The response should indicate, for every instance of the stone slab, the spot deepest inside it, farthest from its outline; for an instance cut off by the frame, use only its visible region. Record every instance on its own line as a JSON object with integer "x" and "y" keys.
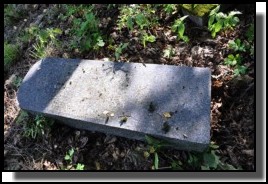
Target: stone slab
{"x": 125, "y": 99}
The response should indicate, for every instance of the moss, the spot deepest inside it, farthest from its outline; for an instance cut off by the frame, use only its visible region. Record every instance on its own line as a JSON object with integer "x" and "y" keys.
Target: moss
{"x": 199, "y": 9}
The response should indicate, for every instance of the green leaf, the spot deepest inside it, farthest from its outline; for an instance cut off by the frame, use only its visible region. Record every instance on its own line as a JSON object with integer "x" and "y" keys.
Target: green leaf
{"x": 231, "y": 57}
{"x": 71, "y": 152}
{"x": 57, "y": 30}
{"x": 210, "y": 21}
{"x": 218, "y": 26}
{"x": 214, "y": 11}
{"x": 211, "y": 160}
{"x": 80, "y": 166}
{"x": 213, "y": 34}
{"x": 130, "y": 23}
{"x": 151, "y": 38}
{"x": 124, "y": 46}
{"x": 181, "y": 29}
{"x": 240, "y": 70}
{"x": 156, "y": 160}
{"x": 67, "y": 157}
{"x": 141, "y": 20}
{"x": 174, "y": 28}
{"x": 234, "y": 21}
{"x": 100, "y": 42}
{"x": 185, "y": 39}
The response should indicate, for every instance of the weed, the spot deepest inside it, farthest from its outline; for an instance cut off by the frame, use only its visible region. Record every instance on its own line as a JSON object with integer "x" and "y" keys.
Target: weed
{"x": 240, "y": 70}
{"x": 141, "y": 20}
{"x": 140, "y": 15}
{"x": 43, "y": 38}
{"x": 208, "y": 160}
{"x": 236, "y": 61}
{"x": 69, "y": 158}
{"x": 69, "y": 155}
{"x": 155, "y": 146}
{"x": 86, "y": 33}
{"x": 147, "y": 38}
{"x": 80, "y": 166}
{"x": 119, "y": 50}
{"x": 11, "y": 14}
{"x": 39, "y": 51}
{"x": 169, "y": 52}
{"x": 34, "y": 128}
{"x": 11, "y": 54}
{"x": 218, "y": 20}
{"x": 233, "y": 60}
{"x": 170, "y": 8}
{"x": 179, "y": 27}
{"x": 237, "y": 45}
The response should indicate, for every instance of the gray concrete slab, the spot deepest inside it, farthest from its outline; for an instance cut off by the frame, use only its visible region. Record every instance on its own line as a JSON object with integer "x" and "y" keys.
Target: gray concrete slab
{"x": 125, "y": 99}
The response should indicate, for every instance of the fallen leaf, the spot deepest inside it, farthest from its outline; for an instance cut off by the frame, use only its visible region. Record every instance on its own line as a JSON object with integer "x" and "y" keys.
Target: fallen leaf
{"x": 167, "y": 114}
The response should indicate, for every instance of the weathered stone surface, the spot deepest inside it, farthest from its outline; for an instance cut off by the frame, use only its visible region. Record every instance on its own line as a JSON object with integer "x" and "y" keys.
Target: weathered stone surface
{"x": 167, "y": 102}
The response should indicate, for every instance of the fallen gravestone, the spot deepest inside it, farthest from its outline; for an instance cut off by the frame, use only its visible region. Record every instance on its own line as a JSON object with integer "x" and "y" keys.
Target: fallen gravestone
{"x": 132, "y": 100}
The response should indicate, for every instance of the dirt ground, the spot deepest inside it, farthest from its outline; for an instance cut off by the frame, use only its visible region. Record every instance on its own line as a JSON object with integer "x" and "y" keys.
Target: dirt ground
{"x": 232, "y": 100}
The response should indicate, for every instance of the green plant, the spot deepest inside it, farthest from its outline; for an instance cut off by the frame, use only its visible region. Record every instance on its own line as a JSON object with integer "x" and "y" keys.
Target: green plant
{"x": 80, "y": 166}
{"x": 168, "y": 52}
{"x": 11, "y": 54}
{"x": 236, "y": 61}
{"x": 237, "y": 45}
{"x": 147, "y": 38}
{"x": 119, "y": 50}
{"x": 43, "y": 38}
{"x": 154, "y": 146}
{"x": 179, "y": 27}
{"x": 125, "y": 18}
{"x": 170, "y": 8}
{"x": 36, "y": 128}
{"x": 233, "y": 60}
{"x": 141, "y": 15}
{"x": 208, "y": 160}
{"x": 142, "y": 21}
{"x": 69, "y": 155}
{"x": 69, "y": 158}
{"x": 39, "y": 51}
{"x": 86, "y": 33}
{"x": 218, "y": 20}
{"x": 240, "y": 69}
{"x": 12, "y": 14}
